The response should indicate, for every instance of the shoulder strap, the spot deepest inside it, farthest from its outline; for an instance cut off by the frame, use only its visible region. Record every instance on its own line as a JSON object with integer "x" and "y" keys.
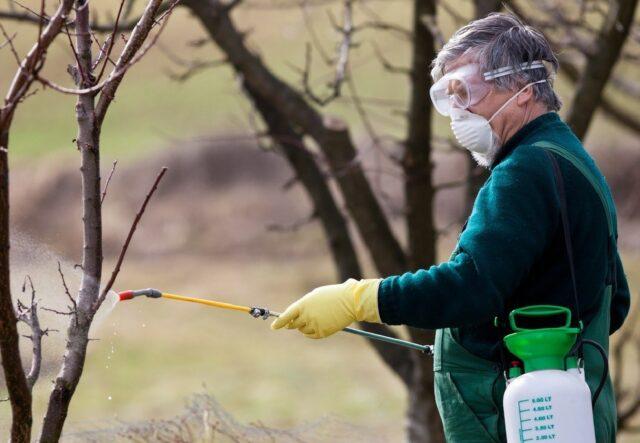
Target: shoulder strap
{"x": 598, "y": 187}
{"x": 590, "y": 176}
{"x": 564, "y": 216}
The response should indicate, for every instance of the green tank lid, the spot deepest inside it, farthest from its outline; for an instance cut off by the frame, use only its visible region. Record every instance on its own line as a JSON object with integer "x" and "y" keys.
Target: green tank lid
{"x": 543, "y": 348}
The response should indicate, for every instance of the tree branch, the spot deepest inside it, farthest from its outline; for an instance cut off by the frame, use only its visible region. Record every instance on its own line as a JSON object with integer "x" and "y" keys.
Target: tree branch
{"x": 106, "y": 185}
{"x": 331, "y": 134}
{"x": 128, "y": 56}
{"x": 29, "y": 316}
{"x": 291, "y": 143}
{"x": 596, "y": 73}
{"x": 132, "y": 230}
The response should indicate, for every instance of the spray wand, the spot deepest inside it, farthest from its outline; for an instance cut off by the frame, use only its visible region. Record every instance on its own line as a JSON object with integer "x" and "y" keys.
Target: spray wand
{"x": 265, "y": 313}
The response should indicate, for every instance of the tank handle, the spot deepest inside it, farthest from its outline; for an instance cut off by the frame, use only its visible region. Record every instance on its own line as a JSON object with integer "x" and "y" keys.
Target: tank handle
{"x": 538, "y": 311}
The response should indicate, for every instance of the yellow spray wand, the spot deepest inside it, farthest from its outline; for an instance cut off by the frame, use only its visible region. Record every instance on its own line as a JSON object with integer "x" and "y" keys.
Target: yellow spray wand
{"x": 266, "y": 313}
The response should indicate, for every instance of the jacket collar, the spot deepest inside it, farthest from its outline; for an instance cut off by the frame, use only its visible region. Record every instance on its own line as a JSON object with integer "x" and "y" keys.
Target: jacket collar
{"x": 525, "y": 134}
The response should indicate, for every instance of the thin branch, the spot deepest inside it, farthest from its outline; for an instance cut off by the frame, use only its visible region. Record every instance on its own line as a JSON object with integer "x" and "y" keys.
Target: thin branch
{"x": 132, "y": 230}
{"x": 133, "y": 51}
{"x": 83, "y": 76}
{"x": 387, "y": 65}
{"x": 315, "y": 40}
{"x": 113, "y": 79}
{"x": 190, "y": 67}
{"x": 106, "y": 186}
{"x": 342, "y": 61}
{"x": 102, "y": 53}
{"x": 9, "y": 41}
{"x": 29, "y": 316}
{"x": 111, "y": 39}
{"x": 385, "y": 26}
{"x": 292, "y": 227}
{"x": 74, "y": 307}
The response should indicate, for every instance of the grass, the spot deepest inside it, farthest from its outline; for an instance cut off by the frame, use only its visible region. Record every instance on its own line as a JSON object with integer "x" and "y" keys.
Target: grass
{"x": 152, "y": 354}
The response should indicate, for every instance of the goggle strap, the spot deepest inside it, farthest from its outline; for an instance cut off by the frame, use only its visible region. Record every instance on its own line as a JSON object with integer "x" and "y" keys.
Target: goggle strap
{"x": 507, "y": 70}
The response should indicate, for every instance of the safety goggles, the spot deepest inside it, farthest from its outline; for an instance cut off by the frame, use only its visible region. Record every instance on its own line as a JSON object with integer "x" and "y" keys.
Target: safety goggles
{"x": 465, "y": 86}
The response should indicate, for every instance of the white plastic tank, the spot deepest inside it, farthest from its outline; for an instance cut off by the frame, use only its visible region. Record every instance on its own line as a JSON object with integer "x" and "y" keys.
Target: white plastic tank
{"x": 548, "y": 405}
{"x": 551, "y": 401}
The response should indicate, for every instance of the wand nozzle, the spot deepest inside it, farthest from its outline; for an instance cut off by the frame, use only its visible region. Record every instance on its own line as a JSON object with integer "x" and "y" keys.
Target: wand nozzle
{"x": 149, "y": 292}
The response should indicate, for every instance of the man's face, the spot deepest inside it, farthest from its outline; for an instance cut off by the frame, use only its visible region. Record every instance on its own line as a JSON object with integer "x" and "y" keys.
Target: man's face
{"x": 491, "y": 101}
{"x": 509, "y": 118}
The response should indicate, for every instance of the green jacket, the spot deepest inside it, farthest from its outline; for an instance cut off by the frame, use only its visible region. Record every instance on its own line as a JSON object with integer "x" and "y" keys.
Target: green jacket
{"x": 511, "y": 251}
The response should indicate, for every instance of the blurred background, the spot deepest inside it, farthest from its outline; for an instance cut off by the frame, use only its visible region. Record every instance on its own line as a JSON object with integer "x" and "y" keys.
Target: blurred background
{"x": 231, "y": 222}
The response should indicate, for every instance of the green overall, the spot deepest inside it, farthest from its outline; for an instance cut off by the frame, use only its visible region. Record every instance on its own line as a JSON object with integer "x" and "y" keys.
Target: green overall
{"x": 469, "y": 389}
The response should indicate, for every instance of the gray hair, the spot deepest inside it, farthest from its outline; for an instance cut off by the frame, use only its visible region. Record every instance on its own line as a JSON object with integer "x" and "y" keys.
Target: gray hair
{"x": 500, "y": 40}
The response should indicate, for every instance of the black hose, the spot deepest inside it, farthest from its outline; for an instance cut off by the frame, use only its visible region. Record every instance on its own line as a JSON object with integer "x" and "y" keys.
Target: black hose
{"x": 605, "y": 371}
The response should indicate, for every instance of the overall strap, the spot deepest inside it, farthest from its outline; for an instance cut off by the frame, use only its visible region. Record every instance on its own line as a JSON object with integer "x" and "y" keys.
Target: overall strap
{"x": 557, "y": 174}
{"x": 600, "y": 190}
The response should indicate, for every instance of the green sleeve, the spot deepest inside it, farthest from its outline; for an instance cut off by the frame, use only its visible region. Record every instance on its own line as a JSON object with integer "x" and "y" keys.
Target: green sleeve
{"x": 510, "y": 226}
{"x": 621, "y": 299}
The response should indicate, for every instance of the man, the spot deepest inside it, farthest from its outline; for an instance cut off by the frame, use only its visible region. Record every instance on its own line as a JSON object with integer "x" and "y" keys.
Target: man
{"x": 494, "y": 79}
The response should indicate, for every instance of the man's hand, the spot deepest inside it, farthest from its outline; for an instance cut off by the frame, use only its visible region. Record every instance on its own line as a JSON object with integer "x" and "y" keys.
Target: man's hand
{"x": 329, "y": 309}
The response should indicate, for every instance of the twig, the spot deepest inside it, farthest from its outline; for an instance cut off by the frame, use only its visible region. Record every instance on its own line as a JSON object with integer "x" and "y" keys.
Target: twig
{"x": 292, "y": 227}
{"x": 387, "y": 65}
{"x": 132, "y": 230}
{"x": 83, "y": 76}
{"x": 342, "y": 61}
{"x": 191, "y": 67}
{"x": 102, "y": 53}
{"x": 106, "y": 185}
{"x": 74, "y": 306}
{"x": 133, "y": 51}
{"x": 314, "y": 36}
{"x": 9, "y": 41}
{"x": 111, "y": 39}
{"x": 29, "y": 316}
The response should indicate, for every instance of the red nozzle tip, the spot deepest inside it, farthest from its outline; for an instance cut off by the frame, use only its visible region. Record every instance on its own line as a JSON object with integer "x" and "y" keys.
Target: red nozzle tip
{"x": 126, "y": 295}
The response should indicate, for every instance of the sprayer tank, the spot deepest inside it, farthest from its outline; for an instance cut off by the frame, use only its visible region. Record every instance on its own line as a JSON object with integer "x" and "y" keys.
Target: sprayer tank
{"x": 549, "y": 405}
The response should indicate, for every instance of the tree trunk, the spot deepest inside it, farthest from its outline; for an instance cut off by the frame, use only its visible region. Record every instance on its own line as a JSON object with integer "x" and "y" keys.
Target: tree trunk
{"x": 597, "y": 71}
{"x": 331, "y": 134}
{"x": 15, "y": 379}
{"x": 333, "y": 222}
{"x": 423, "y": 420}
{"x": 17, "y": 386}
{"x": 79, "y": 324}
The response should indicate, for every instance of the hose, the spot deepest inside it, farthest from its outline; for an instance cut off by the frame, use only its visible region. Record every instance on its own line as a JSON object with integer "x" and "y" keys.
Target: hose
{"x": 605, "y": 371}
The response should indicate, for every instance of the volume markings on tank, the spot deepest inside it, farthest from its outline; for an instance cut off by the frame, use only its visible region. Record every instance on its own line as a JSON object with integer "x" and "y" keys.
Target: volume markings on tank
{"x": 536, "y": 419}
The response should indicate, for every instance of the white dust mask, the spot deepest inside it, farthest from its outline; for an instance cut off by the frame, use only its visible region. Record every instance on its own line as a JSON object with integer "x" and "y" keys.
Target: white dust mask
{"x": 474, "y": 132}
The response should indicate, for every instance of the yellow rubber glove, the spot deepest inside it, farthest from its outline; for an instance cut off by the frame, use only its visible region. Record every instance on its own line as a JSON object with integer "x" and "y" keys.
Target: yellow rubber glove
{"x": 329, "y": 309}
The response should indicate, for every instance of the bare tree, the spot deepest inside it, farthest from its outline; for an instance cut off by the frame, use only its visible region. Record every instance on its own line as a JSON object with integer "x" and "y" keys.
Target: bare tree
{"x": 17, "y": 385}
{"x": 94, "y": 98}
{"x": 293, "y": 115}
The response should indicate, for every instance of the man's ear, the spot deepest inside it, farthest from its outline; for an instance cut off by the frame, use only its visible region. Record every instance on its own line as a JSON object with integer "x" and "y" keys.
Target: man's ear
{"x": 525, "y": 96}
